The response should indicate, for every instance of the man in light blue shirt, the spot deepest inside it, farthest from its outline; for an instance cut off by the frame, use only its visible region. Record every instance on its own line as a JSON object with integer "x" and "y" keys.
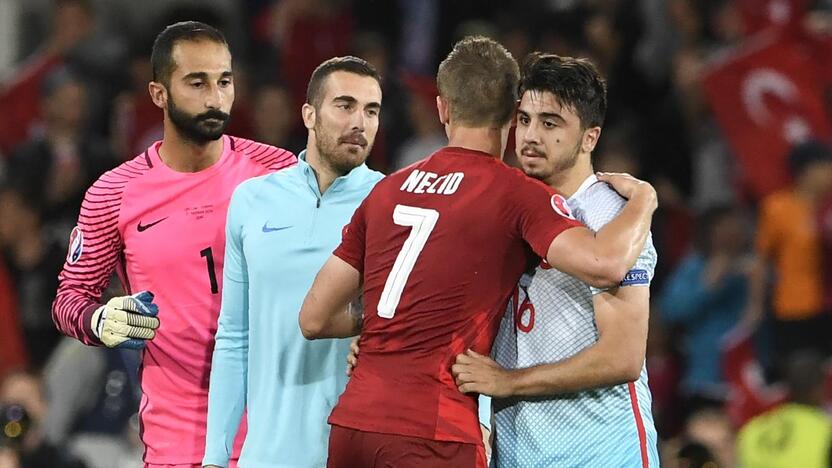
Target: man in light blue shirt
{"x": 281, "y": 229}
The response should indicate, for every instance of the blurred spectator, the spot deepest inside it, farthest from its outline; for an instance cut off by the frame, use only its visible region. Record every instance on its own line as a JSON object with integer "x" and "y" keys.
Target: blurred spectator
{"x": 712, "y": 428}
{"x": 32, "y": 260}
{"x": 665, "y": 374}
{"x": 93, "y": 394}
{"x": 72, "y": 23}
{"x": 672, "y": 222}
{"x": 428, "y": 133}
{"x": 395, "y": 125}
{"x": 419, "y": 35}
{"x": 273, "y": 112}
{"x": 788, "y": 239}
{"x": 136, "y": 121}
{"x": 824, "y": 222}
{"x": 22, "y": 409}
{"x": 796, "y": 434}
{"x": 307, "y": 32}
{"x": 53, "y": 168}
{"x": 9, "y": 36}
{"x": 13, "y": 354}
{"x": 706, "y": 296}
{"x": 694, "y": 455}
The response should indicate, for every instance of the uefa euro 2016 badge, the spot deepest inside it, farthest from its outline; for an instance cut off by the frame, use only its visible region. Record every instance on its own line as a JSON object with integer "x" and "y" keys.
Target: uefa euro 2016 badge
{"x": 560, "y": 206}
{"x": 76, "y": 245}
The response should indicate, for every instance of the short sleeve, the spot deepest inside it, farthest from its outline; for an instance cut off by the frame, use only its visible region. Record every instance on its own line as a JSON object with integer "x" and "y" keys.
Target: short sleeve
{"x": 351, "y": 249}
{"x": 599, "y": 205}
{"x": 540, "y": 214}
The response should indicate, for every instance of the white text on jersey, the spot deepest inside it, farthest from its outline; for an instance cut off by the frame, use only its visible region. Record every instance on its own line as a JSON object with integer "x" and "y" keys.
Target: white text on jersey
{"x": 428, "y": 182}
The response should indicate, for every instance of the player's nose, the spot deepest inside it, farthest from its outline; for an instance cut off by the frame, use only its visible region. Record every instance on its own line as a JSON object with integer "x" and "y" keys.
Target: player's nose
{"x": 358, "y": 121}
{"x": 531, "y": 135}
{"x": 214, "y": 98}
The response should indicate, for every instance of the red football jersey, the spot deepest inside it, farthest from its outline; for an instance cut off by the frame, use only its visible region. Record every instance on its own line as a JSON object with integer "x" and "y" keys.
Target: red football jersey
{"x": 440, "y": 245}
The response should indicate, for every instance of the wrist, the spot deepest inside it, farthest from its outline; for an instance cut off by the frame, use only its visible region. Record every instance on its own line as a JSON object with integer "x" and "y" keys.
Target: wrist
{"x": 646, "y": 193}
{"x": 516, "y": 381}
{"x": 87, "y": 317}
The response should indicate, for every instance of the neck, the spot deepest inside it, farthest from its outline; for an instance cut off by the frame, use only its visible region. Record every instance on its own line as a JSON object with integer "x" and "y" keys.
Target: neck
{"x": 487, "y": 140}
{"x": 324, "y": 173}
{"x": 183, "y": 155}
{"x": 568, "y": 181}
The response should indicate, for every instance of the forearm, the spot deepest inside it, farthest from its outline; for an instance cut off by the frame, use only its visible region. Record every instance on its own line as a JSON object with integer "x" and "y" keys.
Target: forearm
{"x": 72, "y": 311}
{"x": 229, "y": 375}
{"x": 329, "y": 309}
{"x": 594, "y": 367}
{"x": 226, "y": 403}
{"x": 344, "y": 324}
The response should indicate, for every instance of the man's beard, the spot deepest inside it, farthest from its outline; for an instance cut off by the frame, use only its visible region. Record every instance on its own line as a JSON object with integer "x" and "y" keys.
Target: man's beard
{"x": 569, "y": 163}
{"x": 558, "y": 167}
{"x": 194, "y": 127}
{"x": 340, "y": 159}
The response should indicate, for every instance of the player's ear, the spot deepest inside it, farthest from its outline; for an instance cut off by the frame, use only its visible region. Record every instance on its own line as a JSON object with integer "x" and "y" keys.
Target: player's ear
{"x": 158, "y": 94}
{"x": 590, "y": 139}
{"x": 309, "y": 114}
{"x": 442, "y": 108}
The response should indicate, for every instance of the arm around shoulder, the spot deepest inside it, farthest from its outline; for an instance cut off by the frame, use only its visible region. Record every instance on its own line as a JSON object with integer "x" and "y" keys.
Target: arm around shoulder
{"x": 604, "y": 258}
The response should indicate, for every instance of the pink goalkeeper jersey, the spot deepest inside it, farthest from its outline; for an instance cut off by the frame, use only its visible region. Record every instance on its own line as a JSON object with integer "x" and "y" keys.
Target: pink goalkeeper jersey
{"x": 162, "y": 231}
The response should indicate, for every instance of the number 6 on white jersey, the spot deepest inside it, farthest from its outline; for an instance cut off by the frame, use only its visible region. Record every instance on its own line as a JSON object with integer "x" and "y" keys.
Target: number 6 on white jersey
{"x": 422, "y": 221}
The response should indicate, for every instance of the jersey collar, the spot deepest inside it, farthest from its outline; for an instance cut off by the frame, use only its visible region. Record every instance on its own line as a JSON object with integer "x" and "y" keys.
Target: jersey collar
{"x": 337, "y": 184}
{"x": 584, "y": 185}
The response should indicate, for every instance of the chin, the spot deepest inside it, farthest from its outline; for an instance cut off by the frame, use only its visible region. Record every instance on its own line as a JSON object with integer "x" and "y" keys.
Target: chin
{"x": 535, "y": 173}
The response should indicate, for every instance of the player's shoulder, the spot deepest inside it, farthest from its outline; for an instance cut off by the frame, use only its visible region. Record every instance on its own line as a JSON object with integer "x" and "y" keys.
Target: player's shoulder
{"x": 255, "y": 149}
{"x": 252, "y": 187}
{"x": 116, "y": 179}
{"x": 261, "y": 153}
{"x": 362, "y": 177}
{"x": 371, "y": 175}
{"x": 602, "y": 193}
{"x": 510, "y": 179}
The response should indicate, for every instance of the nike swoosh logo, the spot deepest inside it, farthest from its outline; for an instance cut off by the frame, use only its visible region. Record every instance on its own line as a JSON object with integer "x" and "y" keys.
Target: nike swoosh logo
{"x": 143, "y": 227}
{"x": 266, "y": 227}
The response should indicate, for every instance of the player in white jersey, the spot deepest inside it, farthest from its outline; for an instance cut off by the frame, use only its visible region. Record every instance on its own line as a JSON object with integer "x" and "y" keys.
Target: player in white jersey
{"x": 568, "y": 375}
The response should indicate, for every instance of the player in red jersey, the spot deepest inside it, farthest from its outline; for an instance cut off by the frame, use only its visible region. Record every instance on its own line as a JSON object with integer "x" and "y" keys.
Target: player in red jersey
{"x": 438, "y": 248}
{"x": 158, "y": 220}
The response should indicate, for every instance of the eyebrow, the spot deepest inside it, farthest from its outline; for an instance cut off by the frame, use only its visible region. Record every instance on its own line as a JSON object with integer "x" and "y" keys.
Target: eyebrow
{"x": 352, "y": 100}
{"x": 545, "y": 115}
{"x": 204, "y": 75}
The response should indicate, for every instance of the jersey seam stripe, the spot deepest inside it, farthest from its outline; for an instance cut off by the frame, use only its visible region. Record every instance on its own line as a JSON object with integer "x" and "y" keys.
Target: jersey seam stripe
{"x": 642, "y": 435}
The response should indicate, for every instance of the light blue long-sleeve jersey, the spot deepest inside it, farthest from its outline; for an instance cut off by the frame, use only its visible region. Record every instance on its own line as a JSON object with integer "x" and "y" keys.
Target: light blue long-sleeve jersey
{"x": 280, "y": 231}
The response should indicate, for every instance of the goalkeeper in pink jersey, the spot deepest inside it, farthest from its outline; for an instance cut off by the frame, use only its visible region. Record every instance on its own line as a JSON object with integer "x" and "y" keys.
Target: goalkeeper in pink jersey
{"x": 158, "y": 221}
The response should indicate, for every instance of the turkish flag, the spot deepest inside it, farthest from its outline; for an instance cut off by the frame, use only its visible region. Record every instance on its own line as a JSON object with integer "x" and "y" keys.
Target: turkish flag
{"x": 749, "y": 394}
{"x": 767, "y": 97}
{"x": 760, "y": 15}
